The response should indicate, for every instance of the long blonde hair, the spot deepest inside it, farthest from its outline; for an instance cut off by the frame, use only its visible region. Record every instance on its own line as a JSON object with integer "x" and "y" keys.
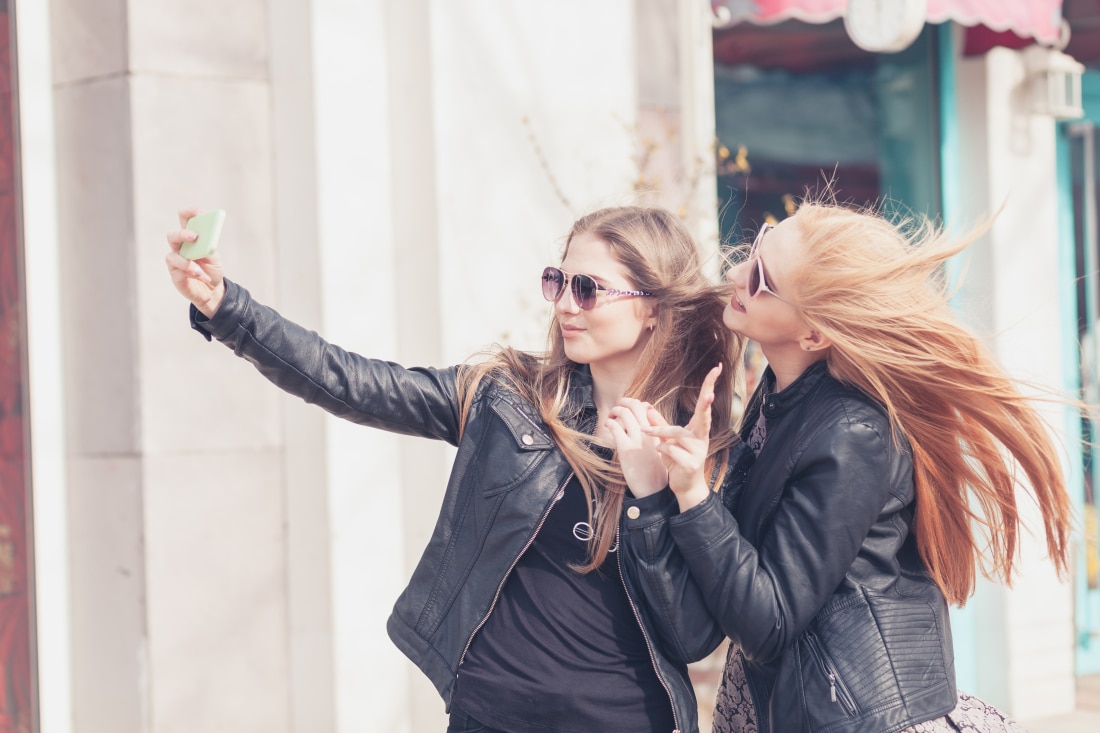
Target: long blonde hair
{"x": 875, "y": 289}
{"x": 688, "y": 339}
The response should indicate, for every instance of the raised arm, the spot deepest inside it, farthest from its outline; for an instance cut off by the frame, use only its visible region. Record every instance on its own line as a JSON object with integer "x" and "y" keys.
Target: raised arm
{"x": 653, "y": 565}
{"x": 372, "y": 392}
{"x": 765, "y": 595}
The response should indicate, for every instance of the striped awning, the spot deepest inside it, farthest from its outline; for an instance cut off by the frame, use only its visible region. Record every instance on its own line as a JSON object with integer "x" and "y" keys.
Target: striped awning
{"x": 1029, "y": 19}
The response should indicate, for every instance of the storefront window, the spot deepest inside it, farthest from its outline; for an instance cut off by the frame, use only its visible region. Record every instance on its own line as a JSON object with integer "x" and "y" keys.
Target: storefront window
{"x": 1083, "y": 17}
{"x": 799, "y": 105}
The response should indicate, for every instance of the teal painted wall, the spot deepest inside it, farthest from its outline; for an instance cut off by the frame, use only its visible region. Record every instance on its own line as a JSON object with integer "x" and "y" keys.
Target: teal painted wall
{"x": 1087, "y": 647}
{"x": 963, "y": 620}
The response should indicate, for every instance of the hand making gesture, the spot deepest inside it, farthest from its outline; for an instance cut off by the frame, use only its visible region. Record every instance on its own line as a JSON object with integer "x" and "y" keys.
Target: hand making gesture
{"x": 653, "y": 453}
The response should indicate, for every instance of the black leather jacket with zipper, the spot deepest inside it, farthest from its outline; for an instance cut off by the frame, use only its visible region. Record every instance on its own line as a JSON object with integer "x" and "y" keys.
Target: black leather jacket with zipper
{"x": 808, "y": 562}
{"x": 506, "y": 476}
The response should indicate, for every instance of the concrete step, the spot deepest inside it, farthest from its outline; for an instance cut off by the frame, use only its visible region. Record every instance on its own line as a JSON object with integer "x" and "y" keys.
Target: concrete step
{"x": 1086, "y": 719}
{"x": 1088, "y": 693}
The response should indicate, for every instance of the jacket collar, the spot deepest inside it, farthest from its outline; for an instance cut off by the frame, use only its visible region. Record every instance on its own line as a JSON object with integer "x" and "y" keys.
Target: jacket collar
{"x": 582, "y": 402}
{"x": 780, "y": 403}
{"x": 580, "y": 388}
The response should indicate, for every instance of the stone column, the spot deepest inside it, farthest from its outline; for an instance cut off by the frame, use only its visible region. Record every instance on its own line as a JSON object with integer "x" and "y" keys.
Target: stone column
{"x": 176, "y": 476}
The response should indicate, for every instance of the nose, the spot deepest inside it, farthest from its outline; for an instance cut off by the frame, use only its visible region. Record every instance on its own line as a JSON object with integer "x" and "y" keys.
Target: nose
{"x": 565, "y": 302}
{"x": 736, "y": 274}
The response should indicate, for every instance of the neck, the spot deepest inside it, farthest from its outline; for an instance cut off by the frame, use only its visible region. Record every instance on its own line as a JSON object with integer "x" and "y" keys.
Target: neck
{"x": 789, "y": 362}
{"x": 607, "y": 389}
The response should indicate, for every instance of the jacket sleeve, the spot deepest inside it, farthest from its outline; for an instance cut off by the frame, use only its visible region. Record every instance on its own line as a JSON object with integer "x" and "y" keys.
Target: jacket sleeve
{"x": 660, "y": 582}
{"x": 380, "y": 394}
{"x": 764, "y": 597}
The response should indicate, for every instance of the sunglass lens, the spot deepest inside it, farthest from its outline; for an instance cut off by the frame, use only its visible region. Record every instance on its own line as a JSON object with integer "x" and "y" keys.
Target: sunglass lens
{"x": 756, "y": 269}
{"x": 584, "y": 291}
{"x": 754, "y": 276}
{"x": 553, "y": 280}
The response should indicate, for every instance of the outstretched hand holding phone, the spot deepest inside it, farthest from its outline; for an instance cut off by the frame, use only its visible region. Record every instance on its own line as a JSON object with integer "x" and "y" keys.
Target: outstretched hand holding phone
{"x": 199, "y": 280}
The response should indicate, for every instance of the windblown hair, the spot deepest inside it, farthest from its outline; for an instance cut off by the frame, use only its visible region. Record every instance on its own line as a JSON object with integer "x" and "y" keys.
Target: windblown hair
{"x": 688, "y": 340}
{"x": 876, "y": 290}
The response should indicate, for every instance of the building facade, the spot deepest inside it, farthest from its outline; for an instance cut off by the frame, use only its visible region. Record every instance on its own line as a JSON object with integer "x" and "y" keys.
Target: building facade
{"x": 201, "y": 552}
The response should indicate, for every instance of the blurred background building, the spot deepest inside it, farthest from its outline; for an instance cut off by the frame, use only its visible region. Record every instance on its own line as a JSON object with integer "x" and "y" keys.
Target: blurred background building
{"x": 183, "y": 548}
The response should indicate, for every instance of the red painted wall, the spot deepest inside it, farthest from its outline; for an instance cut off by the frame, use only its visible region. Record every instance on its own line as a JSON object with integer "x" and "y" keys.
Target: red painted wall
{"x": 15, "y": 599}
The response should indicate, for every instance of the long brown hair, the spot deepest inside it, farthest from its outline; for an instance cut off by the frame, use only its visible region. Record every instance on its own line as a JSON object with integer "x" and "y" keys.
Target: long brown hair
{"x": 688, "y": 340}
{"x": 875, "y": 289}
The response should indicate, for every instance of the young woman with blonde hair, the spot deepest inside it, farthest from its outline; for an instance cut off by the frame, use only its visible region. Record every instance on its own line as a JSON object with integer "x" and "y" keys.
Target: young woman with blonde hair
{"x": 521, "y": 610}
{"x": 882, "y": 467}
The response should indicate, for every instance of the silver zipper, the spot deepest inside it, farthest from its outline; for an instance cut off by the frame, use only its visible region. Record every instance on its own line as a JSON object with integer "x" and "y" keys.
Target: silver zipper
{"x": 496, "y": 596}
{"x": 645, "y": 635}
{"x": 633, "y": 608}
{"x": 530, "y": 540}
{"x": 838, "y": 693}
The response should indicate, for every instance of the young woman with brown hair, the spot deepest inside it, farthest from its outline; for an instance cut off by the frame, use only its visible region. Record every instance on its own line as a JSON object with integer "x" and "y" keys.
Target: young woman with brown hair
{"x": 521, "y": 611}
{"x": 883, "y": 458}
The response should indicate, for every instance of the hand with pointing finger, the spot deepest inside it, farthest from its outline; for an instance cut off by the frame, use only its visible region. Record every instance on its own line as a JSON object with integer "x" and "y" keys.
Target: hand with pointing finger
{"x": 684, "y": 449}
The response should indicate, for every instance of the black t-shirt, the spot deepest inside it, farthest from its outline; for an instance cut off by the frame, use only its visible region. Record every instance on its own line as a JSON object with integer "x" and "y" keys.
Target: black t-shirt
{"x": 563, "y": 651}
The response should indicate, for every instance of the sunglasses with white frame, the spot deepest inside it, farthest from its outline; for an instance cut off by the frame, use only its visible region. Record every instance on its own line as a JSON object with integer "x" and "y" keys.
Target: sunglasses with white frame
{"x": 758, "y": 282}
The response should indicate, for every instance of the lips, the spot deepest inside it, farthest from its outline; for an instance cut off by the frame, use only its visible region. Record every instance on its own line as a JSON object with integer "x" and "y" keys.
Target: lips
{"x": 570, "y": 331}
{"x": 736, "y": 304}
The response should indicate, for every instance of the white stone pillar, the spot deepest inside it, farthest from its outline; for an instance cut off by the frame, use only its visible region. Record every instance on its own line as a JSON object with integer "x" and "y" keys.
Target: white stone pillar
{"x": 311, "y": 644}
{"x": 675, "y": 134}
{"x": 48, "y": 459}
{"x": 177, "y": 508}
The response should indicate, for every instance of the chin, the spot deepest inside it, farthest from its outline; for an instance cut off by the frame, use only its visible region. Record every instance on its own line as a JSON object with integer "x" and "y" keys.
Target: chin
{"x": 729, "y": 318}
{"x": 572, "y": 355}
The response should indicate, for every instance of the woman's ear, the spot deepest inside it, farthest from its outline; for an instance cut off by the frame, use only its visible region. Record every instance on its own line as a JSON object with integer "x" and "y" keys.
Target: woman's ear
{"x": 814, "y": 341}
{"x": 651, "y": 320}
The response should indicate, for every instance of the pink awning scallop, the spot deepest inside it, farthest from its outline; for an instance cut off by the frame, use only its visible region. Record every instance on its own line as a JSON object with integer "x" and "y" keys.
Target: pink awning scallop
{"x": 1035, "y": 19}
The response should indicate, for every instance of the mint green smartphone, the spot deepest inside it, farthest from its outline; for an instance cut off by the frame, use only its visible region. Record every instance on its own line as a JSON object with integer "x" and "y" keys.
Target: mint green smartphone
{"x": 208, "y": 225}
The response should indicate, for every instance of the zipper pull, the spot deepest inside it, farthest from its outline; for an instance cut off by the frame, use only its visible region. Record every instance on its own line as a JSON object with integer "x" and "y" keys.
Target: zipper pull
{"x": 832, "y": 687}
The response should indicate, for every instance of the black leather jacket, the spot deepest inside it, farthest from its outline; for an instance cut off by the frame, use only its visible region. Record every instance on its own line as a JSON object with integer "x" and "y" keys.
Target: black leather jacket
{"x": 507, "y": 474}
{"x": 807, "y": 561}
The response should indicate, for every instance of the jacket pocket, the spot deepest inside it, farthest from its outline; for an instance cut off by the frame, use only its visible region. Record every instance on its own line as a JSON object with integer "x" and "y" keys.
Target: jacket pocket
{"x": 838, "y": 692}
{"x": 916, "y": 623}
{"x": 840, "y": 669}
{"x": 511, "y": 445}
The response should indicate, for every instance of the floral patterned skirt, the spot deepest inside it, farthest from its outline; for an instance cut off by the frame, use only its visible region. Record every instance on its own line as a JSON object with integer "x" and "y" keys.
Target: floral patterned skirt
{"x": 735, "y": 713}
